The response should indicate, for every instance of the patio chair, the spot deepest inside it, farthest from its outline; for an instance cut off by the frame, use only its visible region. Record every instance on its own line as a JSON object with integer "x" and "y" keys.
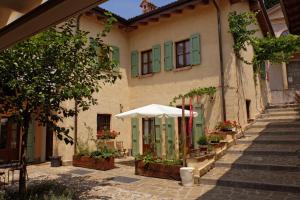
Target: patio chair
{"x": 110, "y": 145}
{"x": 14, "y": 166}
{"x": 120, "y": 148}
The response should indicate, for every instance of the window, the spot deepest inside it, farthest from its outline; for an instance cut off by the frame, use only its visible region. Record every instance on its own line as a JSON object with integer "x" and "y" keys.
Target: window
{"x": 183, "y": 54}
{"x": 103, "y": 122}
{"x": 147, "y": 62}
{"x": 293, "y": 73}
{"x": 148, "y": 134}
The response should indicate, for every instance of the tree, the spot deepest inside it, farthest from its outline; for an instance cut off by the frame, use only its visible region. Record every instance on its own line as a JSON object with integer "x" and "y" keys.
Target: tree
{"x": 41, "y": 73}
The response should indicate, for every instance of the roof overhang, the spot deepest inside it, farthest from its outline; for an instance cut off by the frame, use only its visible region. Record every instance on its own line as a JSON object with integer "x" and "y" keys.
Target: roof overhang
{"x": 46, "y": 15}
{"x": 291, "y": 11}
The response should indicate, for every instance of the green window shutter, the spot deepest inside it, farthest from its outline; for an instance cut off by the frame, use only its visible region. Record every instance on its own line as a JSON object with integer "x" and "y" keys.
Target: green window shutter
{"x": 156, "y": 58}
{"x": 116, "y": 55}
{"x": 170, "y": 130}
{"x": 195, "y": 49}
{"x": 134, "y": 63}
{"x": 198, "y": 124}
{"x": 168, "y": 56}
{"x": 158, "y": 140}
{"x": 30, "y": 142}
{"x": 135, "y": 136}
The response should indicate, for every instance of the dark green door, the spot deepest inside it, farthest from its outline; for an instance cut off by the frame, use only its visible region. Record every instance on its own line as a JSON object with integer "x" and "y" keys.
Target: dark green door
{"x": 198, "y": 124}
{"x": 135, "y": 136}
{"x": 158, "y": 137}
{"x": 170, "y": 138}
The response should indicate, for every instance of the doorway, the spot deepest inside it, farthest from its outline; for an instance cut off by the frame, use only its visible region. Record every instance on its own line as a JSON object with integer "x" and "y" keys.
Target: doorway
{"x": 49, "y": 143}
{"x": 9, "y": 139}
{"x": 189, "y": 136}
{"x": 248, "y": 104}
{"x": 148, "y": 125}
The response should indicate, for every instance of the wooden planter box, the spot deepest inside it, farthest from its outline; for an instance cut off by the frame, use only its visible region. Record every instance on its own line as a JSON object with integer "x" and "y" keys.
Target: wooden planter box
{"x": 227, "y": 135}
{"x": 94, "y": 163}
{"x": 158, "y": 170}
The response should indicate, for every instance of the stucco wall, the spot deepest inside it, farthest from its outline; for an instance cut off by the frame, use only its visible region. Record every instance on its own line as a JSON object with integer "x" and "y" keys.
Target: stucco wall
{"x": 112, "y": 99}
{"x": 161, "y": 87}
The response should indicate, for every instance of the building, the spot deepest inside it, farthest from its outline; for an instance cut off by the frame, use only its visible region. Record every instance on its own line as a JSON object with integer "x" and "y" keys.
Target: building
{"x": 165, "y": 52}
{"x": 285, "y": 77}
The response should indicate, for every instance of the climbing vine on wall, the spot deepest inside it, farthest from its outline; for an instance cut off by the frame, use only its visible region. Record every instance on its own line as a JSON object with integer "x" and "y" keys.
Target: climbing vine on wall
{"x": 275, "y": 50}
{"x": 210, "y": 91}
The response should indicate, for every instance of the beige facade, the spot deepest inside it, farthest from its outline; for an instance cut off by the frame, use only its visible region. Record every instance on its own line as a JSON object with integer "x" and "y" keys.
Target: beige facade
{"x": 160, "y": 88}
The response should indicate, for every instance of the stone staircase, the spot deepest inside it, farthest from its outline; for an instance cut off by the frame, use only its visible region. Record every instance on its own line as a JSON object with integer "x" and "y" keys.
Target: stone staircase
{"x": 267, "y": 158}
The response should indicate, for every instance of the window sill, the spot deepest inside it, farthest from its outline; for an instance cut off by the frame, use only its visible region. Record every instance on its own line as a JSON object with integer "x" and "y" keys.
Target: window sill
{"x": 145, "y": 75}
{"x": 182, "y": 69}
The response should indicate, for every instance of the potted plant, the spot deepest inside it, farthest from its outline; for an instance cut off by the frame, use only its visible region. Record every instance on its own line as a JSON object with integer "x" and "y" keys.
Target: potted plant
{"x": 107, "y": 134}
{"x": 215, "y": 139}
{"x": 203, "y": 143}
{"x": 228, "y": 126}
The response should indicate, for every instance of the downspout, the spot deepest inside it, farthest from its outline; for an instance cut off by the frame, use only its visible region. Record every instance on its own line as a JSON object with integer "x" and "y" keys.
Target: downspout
{"x": 76, "y": 104}
{"x": 221, "y": 59}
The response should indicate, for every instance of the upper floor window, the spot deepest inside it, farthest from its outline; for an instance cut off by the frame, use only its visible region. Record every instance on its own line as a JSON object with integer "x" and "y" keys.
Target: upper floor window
{"x": 103, "y": 122}
{"x": 183, "y": 54}
{"x": 147, "y": 62}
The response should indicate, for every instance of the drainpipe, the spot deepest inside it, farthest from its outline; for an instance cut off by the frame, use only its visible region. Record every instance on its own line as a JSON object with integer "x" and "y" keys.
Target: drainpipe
{"x": 221, "y": 58}
{"x": 76, "y": 104}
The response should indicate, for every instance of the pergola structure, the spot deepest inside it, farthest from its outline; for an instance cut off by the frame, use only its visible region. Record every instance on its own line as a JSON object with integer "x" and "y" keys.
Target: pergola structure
{"x": 291, "y": 11}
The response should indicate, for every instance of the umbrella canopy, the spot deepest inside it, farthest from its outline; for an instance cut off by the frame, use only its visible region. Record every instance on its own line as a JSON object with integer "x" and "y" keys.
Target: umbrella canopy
{"x": 155, "y": 110}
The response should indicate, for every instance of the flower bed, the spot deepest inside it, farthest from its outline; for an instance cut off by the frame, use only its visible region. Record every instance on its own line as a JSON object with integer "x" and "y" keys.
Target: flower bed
{"x": 94, "y": 163}
{"x": 158, "y": 170}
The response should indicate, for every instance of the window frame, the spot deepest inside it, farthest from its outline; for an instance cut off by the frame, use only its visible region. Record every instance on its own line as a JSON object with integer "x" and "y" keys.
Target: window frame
{"x": 149, "y": 62}
{"x": 106, "y": 123}
{"x": 184, "y": 54}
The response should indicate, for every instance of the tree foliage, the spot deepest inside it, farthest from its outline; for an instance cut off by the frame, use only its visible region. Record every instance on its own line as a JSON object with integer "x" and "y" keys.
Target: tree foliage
{"x": 56, "y": 66}
{"x": 40, "y": 75}
{"x": 275, "y": 50}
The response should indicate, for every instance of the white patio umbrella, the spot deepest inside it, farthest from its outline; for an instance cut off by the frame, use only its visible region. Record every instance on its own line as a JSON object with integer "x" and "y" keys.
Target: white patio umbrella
{"x": 155, "y": 110}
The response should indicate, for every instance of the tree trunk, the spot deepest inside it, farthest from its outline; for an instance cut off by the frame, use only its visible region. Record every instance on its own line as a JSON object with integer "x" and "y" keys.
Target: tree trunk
{"x": 183, "y": 132}
{"x": 23, "y": 160}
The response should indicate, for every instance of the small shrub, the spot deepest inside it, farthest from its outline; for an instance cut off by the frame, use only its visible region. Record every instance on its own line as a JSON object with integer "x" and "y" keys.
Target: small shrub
{"x": 215, "y": 139}
{"x": 202, "y": 140}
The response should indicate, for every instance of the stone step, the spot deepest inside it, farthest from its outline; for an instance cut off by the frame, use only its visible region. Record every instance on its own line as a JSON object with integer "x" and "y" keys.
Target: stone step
{"x": 255, "y": 179}
{"x": 283, "y": 113}
{"x": 234, "y": 193}
{"x": 278, "y": 119}
{"x": 262, "y": 162}
{"x": 265, "y": 149}
{"x": 285, "y": 124}
{"x": 273, "y": 131}
{"x": 275, "y": 110}
{"x": 270, "y": 139}
{"x": 238, "y": 165}
{"x": 276, "y": 106}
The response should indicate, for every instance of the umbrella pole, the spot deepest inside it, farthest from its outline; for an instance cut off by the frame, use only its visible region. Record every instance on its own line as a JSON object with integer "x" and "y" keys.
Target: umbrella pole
{"x": 183, "y": 132}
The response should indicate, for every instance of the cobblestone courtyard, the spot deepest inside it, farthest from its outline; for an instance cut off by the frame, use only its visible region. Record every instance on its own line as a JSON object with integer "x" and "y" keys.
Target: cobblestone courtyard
{"x": 116, "y": 184}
